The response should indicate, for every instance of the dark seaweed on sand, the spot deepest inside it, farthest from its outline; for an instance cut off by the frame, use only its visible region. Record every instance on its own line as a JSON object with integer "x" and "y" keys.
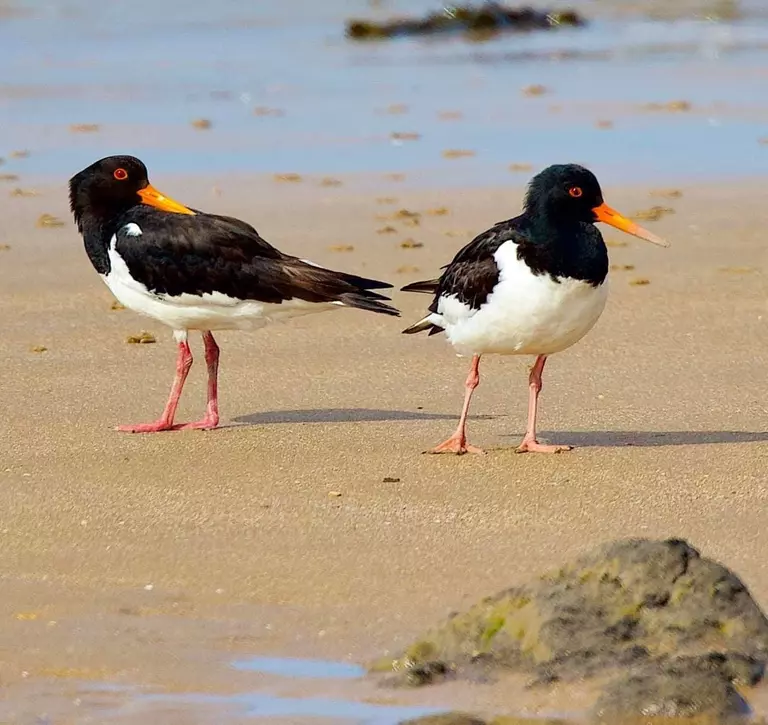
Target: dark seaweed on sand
{"x": 487, "y": 18}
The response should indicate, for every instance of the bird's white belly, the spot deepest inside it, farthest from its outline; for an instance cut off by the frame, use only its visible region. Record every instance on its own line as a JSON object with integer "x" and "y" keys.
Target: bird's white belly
{"x": 526, "y": 314}
{"x": 214, "y": 311}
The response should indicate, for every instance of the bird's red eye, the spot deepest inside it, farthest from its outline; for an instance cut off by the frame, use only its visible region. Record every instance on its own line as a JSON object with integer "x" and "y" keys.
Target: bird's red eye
{"x": 120, "y": 174}
{"x": 575, "y": 192}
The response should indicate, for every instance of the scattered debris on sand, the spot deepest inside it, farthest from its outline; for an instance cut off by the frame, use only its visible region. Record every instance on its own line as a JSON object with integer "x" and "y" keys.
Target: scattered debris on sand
{"x": 666, "y": 193}
{"x": 84, "y": 128}
{"x": 457, "y": 153}
{"x": 143, "y": 338}
{"x": 653, "y": 214}
{"x": 288, "y": 178}
{"x": 48, "y": 220}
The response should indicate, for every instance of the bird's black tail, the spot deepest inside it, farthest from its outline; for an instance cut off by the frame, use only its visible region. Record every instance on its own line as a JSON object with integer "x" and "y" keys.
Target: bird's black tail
{"x": 428, "y": 286}
{"x": 363, "y": 298}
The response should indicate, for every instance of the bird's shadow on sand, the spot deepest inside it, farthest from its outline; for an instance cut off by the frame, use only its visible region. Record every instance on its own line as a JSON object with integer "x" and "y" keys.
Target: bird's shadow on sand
{"x": 649, "y": 439}
{"x": 343, "y": 415}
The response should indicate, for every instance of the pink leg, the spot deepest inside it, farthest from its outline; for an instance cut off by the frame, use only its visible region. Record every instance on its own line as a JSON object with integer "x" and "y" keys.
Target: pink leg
{"x": 183, "y": 365}
{"x": 211, "y": 419}
{"x": 457, "y": 443}
{"x": 529, "y": 443}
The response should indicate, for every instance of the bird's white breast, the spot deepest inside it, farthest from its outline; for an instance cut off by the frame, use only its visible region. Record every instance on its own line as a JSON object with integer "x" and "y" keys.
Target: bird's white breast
{"x": 207, "y": 311}
{"x": 526, "y": 314}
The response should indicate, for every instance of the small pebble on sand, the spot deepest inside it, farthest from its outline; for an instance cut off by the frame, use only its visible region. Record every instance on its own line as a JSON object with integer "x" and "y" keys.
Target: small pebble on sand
{"x": 405, "y": 136}
{"x": 622, "y": 267}
{"x": 406, "y": 269}
{"x": 202, "y": 124}
{"x": 639, "y": 281}
{"x": 410, "y": 244}
{"x": 117, "y": 306}
{"x": 330, "y": 181}
{"x": 23, "y": 192}
{"x": 341, "y": 248}
{"x": 334, "y": 494}
{"x": 38, "y": 348}
{"x": 386, "y": 230}
{"x": 397, "y": 109}
{"x": 439, "y": 211}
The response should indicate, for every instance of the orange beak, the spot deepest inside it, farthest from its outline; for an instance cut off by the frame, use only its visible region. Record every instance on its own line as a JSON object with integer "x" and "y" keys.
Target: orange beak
{"x": 605, "y": 214}
{"x": 150, "y": 195}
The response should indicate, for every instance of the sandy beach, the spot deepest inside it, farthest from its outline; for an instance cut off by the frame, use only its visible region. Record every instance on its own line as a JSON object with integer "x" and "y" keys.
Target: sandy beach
{"x": 311, "y": 524}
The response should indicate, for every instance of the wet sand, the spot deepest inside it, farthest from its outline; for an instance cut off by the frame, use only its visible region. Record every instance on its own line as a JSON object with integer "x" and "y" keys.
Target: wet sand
{"x": 153, "y": 560}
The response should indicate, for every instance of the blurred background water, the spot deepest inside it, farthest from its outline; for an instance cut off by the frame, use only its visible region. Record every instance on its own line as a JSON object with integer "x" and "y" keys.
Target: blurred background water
{"x": 143, "y": 71}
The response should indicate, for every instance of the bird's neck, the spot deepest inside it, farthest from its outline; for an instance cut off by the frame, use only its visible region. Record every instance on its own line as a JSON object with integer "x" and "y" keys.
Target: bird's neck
{"x": 97, "y": 228}
{"x": 553, "y": 228}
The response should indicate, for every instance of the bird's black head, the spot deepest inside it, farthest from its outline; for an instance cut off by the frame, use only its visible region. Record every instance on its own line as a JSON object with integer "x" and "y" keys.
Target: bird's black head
{"x": 111, "y": 186}
{"x": 565, "y": 194}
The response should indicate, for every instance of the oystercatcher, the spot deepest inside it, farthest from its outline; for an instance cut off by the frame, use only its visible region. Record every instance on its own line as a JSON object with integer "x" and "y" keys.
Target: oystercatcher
{"x": 196, "y": 271}
{"x": 532, "y": 285}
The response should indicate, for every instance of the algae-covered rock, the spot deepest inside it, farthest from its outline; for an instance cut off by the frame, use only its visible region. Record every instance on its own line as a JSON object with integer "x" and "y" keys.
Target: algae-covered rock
{"x": 484, "y": 20}
{"x": 691, "y": 687}
{"x": 628, "y": 604}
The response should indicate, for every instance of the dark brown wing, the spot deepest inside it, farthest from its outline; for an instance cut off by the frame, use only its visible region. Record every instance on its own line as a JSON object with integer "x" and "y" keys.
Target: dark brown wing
{"x": 178, "y": 254}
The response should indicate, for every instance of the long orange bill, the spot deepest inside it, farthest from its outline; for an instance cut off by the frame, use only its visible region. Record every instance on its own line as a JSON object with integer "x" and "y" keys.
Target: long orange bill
{"x": 605, "y": 214}
{"x": 150, "y": 195}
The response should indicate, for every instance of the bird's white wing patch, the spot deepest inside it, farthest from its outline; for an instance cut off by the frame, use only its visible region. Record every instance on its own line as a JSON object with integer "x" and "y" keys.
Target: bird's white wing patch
{"x": 312, "y": 264}
{"x": 131, "y": 229}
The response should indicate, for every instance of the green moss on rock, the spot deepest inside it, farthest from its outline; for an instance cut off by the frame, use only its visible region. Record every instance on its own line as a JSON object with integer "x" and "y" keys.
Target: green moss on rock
{"x": 626, "y": 604}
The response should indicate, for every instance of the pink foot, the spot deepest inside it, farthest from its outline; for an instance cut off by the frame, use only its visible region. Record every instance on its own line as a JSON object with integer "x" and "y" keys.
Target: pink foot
{"x": 156, "y": 427}
{"x": 531, "y": 445}
{"x": 456, "y": 445}
{"x": 204, "y": 424}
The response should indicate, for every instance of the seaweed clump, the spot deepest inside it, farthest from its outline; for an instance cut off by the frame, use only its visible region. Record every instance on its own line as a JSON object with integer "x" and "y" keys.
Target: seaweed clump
{"x": 486, "y": 19}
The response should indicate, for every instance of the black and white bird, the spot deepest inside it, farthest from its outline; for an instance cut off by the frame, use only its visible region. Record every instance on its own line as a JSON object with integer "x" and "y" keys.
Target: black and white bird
{"x": 532, "y": 285}
{"x": 196, "y": 271}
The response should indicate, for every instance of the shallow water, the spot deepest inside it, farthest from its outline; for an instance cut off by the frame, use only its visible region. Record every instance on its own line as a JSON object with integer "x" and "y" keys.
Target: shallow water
{"x": 143, "y": 70}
